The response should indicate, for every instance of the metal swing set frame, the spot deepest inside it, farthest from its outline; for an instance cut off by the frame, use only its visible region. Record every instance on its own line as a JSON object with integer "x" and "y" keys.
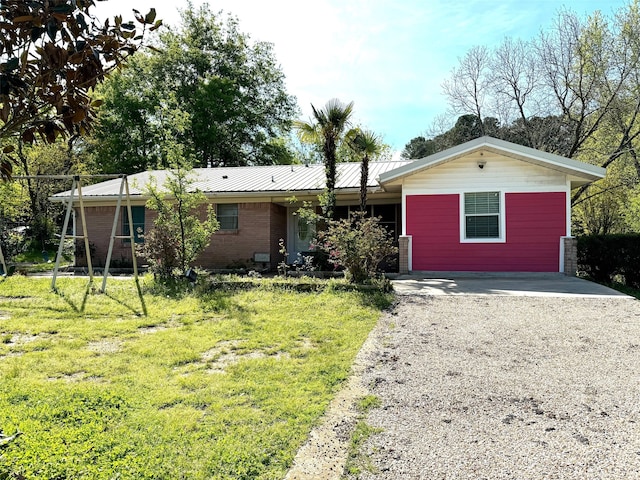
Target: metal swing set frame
{"x": 77, "y": 186}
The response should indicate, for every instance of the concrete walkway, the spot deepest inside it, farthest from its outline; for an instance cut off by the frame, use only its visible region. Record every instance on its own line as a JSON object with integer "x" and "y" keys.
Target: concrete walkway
{"x": 520, "y": 284}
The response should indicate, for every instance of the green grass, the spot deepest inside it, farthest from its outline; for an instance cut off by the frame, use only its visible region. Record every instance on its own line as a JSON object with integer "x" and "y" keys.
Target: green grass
{"x": 203, "y": 386}
{"x": 357, "y": 460}
{"x": 617, "y": 285}
{"x": 634, "y": 292}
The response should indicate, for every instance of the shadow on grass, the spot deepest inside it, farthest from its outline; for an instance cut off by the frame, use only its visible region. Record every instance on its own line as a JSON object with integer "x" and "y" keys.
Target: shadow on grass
{"x": 133, "y": 310}
{"x": 70, "y": 302}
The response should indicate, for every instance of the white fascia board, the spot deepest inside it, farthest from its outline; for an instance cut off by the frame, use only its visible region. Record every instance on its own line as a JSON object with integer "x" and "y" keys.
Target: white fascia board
{"x": 566, "y": 165}
{"x": 212, "y": 195}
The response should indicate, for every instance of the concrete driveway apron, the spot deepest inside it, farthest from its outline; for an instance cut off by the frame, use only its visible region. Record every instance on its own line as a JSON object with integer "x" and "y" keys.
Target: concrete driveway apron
{"x": 520, "y": 284}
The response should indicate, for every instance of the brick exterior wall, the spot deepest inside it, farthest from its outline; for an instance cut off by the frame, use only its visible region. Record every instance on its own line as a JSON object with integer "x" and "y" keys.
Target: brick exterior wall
{"x": 570, "y": 255}
{"x": 99, "y": 224}
{"x": 278, "y": 231}
{"x": 260, "y": 226}
{"x": 256, "y": 234}
{"x": 403, "y": 253}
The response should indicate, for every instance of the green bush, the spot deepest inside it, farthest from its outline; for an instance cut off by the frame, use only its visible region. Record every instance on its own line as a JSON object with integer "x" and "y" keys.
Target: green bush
{"x": 604, "y": 257}
{"x": 359, "y": 244}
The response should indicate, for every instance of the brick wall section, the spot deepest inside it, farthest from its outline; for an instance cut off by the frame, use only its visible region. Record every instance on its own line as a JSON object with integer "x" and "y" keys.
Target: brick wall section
{"x": 570, "y": 255}
{"x": 99, "y": 224}
{"x": 403, "y": 251}
{"x": 278, "y": 231}
{"x": 260, "y": 227}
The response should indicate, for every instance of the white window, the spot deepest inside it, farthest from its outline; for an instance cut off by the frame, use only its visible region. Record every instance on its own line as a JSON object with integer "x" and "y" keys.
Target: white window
{"x": 482, "y": 217}
{"x": 227, "y": 215}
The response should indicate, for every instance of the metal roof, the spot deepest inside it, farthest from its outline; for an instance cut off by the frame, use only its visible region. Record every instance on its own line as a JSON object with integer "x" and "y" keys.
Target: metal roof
{"x": 289, "y": 179}
{"x": 269, "y": 179}
{"x": 568, "y": 166}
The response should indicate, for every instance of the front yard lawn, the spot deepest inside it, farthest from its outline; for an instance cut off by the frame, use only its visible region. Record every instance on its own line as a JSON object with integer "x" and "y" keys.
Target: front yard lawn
{"x": 204, "y": 386}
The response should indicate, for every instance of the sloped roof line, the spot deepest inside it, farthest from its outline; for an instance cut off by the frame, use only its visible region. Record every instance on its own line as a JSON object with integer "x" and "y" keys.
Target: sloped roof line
{"x": 267, "y": 179}
{"x": 568, "y": 165}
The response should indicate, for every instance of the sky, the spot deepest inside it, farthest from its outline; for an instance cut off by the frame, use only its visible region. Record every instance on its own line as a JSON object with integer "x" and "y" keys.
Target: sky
{"x": 389, "y": 57}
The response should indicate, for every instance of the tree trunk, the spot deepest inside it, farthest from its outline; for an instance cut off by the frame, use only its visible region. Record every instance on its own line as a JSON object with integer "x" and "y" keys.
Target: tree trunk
{"x": 364, "y": 179}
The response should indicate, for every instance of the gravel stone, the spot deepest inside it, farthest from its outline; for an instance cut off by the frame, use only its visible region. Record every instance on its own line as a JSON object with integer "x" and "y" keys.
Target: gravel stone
{"x": 505, "y": 387}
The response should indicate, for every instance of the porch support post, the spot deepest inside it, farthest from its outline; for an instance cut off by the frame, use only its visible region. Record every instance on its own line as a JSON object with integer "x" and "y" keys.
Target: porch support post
{"x": 404, "y": 245}
{"x": 569, "y": 257}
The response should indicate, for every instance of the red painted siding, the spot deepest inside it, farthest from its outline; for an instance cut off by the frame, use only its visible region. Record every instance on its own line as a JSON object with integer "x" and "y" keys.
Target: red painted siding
{"x": 534, "y": 224}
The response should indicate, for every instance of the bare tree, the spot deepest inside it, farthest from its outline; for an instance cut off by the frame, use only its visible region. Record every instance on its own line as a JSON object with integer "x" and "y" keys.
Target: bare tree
{"x": 515, "y": 82}
{"x": 573, "y": 90}
{"x": 470, "y": 83}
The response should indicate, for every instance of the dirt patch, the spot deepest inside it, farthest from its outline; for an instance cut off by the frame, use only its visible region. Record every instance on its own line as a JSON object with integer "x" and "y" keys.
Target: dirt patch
{"x": 224, "y": 361}
{"x": 149, "y": 329}
{"x": 105, "y": 346}
{"x": 218, "y": 359}
{"x": 18, "y": 339}
{"x": 80, "y": 376}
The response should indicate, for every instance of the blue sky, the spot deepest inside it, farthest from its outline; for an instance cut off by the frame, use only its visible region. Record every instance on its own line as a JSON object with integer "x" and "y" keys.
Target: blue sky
{"x": 388, "y": 57}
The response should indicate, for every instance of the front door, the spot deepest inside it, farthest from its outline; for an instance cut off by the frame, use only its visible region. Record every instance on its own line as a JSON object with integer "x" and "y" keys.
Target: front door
{"x": 301, "y": 234}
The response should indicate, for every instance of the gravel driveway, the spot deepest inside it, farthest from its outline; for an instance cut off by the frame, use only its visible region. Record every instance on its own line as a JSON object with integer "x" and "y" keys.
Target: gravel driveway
{"x": 505, "y": 387}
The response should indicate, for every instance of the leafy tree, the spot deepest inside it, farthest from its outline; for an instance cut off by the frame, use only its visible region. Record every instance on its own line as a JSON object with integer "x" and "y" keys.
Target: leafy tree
{"x": 206, "y": 86}
{"x": 179, "y": 234}
{"x": 124, "y": 140}
{"x": 467, "y": 127}
{"x": 419, "y": 147}
{"x": 328, "y": 128}
{"x": 52, "y": 54}
{"x": 40, "y": 160}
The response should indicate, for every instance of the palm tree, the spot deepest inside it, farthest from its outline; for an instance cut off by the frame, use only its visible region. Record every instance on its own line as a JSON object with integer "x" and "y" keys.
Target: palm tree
{"x": 328, "y": 129}
{"x": 367, "y": 144}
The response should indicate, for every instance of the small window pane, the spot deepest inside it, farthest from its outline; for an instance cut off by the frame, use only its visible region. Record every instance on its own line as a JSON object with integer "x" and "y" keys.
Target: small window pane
{"x": 227, "y": 214}
{"x": 481, "y": 226}
{"x": 481, "y": 203}
{"x": 387, "y": 212}
{"x": 341, "y": 212}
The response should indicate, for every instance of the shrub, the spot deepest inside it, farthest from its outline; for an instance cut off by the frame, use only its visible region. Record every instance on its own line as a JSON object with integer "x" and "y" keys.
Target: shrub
{"x": 13, "y": 242}
{"x": 359, "y": 244}
{"x": 604, "y": 257}
{"x": 179, "y": 235}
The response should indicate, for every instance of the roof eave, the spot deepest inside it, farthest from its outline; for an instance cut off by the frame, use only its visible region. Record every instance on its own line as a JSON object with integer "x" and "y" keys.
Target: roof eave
{"x": 261, "y": 193}
{"x": 566, "y": 165}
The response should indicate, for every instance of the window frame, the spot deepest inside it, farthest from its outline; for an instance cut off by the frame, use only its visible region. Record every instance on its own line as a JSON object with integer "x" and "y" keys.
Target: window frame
{"x": 502, "y": 237}
{"x": 136, "y": 225}
{"x": 237, "y": 217}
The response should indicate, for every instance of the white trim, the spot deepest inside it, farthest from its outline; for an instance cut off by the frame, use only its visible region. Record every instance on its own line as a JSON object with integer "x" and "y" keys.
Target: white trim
{"x": 502, "y": 219}
{"x": 449, "y": 191}
{"x": 561, "y": 264}
{"x": 404, "y": 212}
{"x": 568, "y": 202}
{"x": 566, "y": 165}
{"x": 410, "y": 252}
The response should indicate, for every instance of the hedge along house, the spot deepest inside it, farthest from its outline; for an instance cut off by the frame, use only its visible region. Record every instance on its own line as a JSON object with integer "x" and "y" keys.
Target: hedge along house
{"x": 488, "y": 205}
{"x": 253, "y": 205}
